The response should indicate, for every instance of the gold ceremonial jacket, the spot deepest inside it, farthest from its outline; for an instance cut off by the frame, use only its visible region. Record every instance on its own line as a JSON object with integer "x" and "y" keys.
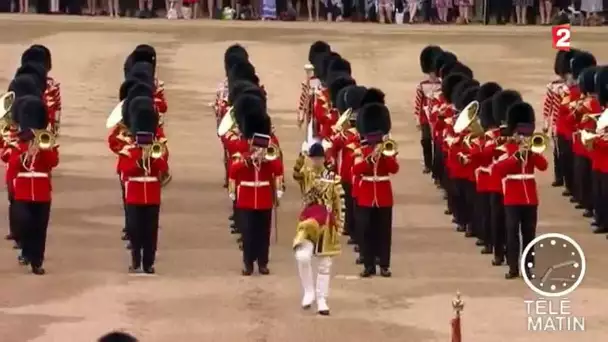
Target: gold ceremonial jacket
{"x": 320, "y": 187}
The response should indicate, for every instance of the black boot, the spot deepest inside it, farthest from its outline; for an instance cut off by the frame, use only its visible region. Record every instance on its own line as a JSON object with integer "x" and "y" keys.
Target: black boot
{"x": 38, "y": 270}
{"x": 512, "y": 274}
{"x": 588, "y": 213}
{"x": 368, "y": 272}
{"x": 487, "y": 250}
{"x": 247, "y": 270}
{"x": 557, "y": 184}
{"x": 149, "y": 270}
{"x": 385, "y": 272}
{"x": 498, "y": 261}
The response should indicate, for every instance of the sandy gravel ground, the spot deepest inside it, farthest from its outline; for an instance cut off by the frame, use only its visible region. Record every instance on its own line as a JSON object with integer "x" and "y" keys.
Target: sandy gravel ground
{"x": 198, "y": 294}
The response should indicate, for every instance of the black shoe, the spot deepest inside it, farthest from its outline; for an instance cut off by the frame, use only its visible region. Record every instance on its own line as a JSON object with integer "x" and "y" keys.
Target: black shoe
{"x": 351, "y": 241}
{"x": 22, "y": 260}
{"x": 323, "y": 312}
{"x": 588, "y": 213}
{"x": 426, "y": 171}
{"x": 573, "y": 200}
{"x": 124, "y": 237}
{"x": 556, "y": 184}
{"x": 38, "y": 270}
{"x": 368, "y": 272}
{"x": 385, "y": 272}
{"x": 263, "y": 270}
{"x": 9, "y": 237}
{"x": 233, "y": 230}
{"x": 128, "y": 245}
{"x": 512, "y": 274}
{"x": 359, "y": 261}
{"x": 460, "y": 228}
{"x": 149, "y": 270}
{"x": 134, "y": 269}
{"x": 566, "y": 193}
{"x": 468, "y": 232}
{"x": 231, "y": 217}
{"x": 595, "y": 224}
{"x": 247, "y": 270}
{"x": 599, "y": 230}
{"x": 480, "y": 243}
{"x": 487, "y": 250}
{"x": 345, "y": 233}
{"x": 497, "y": 261}
{"x": 356, "y": 248}
{"x": 16, "y": 245}
{"x": 578, "y": 206}
{"x": 454, "y": 220}
{"x": 447, "y": 212}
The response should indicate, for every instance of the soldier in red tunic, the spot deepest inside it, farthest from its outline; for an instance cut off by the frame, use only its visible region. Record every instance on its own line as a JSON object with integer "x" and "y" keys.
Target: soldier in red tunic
{"x": 374, "y": 165}
{"x": 141, "y": 166}
{"x": 255, "y": 182}
{"x": 519, "y": 184}
{"x": 234, "y": 54}
{"x": 501, "y": 101}
{"x": 551, "y": 102}
{"x": 30, "y": 162}
{"x": 599, "y": 146}
{"x": 425, "y": 92}
{"x": 310, "y": 84}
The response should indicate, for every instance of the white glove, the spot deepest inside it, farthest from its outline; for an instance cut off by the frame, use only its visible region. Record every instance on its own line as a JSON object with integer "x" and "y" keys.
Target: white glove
{"x": 232, "y": 196}
{"x": 279, "y": 194}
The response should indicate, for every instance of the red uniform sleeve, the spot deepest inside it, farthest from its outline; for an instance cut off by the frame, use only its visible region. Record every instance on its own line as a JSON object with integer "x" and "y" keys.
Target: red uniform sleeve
{"x": 362, "y": 167}
{"x": 114, "y": 142}
{"x": 548, "y": 104}
{"x": 506, "y": 166}
{"x": 50, "y": 157}
{"x": 7, "y": 151}
{"x": 304, "y": 97}
{"x": 160, "y": 166}
{"x": 128, "y": 164}
{"x": 160, "y": 102}
{"x": 238, "y": 165}
{"x": 540, "y": 162}
{"x": 418, "y": 102}
{"x": 277, "y": 167}
{"x": 391, "y": 164}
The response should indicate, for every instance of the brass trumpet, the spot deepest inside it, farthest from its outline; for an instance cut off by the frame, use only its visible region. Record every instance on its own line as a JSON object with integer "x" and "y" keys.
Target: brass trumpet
{"x": 537, "y": 143}
{"x": 387, "y": 148}
{"x": 272, "y": 153}
{"x": 154, "y": 150}
{"x": 44, "y": 139}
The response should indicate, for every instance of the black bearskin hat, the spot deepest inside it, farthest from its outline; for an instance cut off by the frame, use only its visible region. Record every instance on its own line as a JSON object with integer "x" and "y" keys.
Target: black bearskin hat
{"x": 256, "y": 123}
{"x": 243, "y": 70}
{"x": 466, "y": 96}
{"x": 601, "y": 85}
{"x": 239, "y": 87}
{"x": 16, "y": 108}
{"x": 586, "y": 80}
{"x": 427, "y": 57}
{"x": 557, "y": 67}
{"x": 48, "y": 60}
{"x": 325, "y": 62}
{"x": 457, "y": 67}
{"x": 339, "y": 65}
{"x": 355, "y": 96}
{"x": 236, "y": 49}
{"x": 501, "y": 102}
{"x": 144, "y": 53}
{"x": 449, "y": 83}
{"x": 340, "y": 103}
{"x": 372, "y": 95}
{"x": 443, "y": 58}
{"x": 142, "y": 115}
{"x": 460, "y": 88}
{"x": 316, "y": 48}
{"x": 144, "y": 72}
{"x": 373, "y": 117}
{"x": 24, "y": 85}
{"x": 117, "y": 336}
{"x": 486, "y": 118}
{"x": 248, "y": 105}
{"x": 581, "y": 61}
{"x": 37, "y": 71}
{"x": 564, "y": 61}
{"x": 32, "y": 113}
{"x": 36, "y": 56}
{"x": 126, "y": 86}
{"x": 520, "y": 114}
{"x": 487, "y": 90}
{"x": 232, "y": 60}
{"x": 139, "y": 89}
{"x": 316, "y": 150}
{"x": 336, "y": 85}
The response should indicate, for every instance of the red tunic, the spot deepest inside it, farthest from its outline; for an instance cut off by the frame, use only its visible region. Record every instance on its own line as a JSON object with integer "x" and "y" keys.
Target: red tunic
{"x": 550, "y": 102}
{"x": 255, "y": 184}
{"x": 29, "y": 178}
{"x": 518, "y": 183}
{"x": 375, "y": 188}
{"x": 141, "y": 187}
{"x": 588, "y": 105}
{"x": 482, "y": 156}
{"x": 600, "y": 149}
{"x": 342, "y": 150}
{"x": 565, "y": 125}
{"x": 324, "y": 116}
{"x": 423, "y": 101}
{"x": 52, "y": 99}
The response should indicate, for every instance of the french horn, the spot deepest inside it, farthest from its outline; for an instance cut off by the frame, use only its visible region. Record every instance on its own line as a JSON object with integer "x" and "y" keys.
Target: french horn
{"x": 115, "y": 116}
{"x": 227, "y": 123}
{"x": 467, "y": 119}
{"x": 5, "y": 119}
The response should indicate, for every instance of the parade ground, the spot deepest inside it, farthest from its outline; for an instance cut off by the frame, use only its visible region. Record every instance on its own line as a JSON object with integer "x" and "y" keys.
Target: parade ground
{"x": 198, "y": 293}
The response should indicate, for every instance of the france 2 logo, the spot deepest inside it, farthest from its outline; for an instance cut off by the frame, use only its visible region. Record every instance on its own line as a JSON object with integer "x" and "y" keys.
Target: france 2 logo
{"x": 560, "y": 36}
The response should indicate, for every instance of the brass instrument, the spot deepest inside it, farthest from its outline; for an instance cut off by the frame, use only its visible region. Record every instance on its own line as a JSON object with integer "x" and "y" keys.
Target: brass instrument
{"x": 44, "y": 139}
{"x": 387, "y": 148}
{"x": 537, "y": 143}
{"x": 468, "y": 119}
{"x": 343, "y": 120}
{"x": 273, "y": 152}
{"x": 227, "y": 122}
{"x": 587, "y": 139}
{"x": 153, "y": 151}
{"x": 115, "y": 116}
{"x": 5, "y": 119}
{"x": 602, "y": 122}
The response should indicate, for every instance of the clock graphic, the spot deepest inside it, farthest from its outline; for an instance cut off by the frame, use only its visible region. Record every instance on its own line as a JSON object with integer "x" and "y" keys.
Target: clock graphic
{"x": 553, "y": 265}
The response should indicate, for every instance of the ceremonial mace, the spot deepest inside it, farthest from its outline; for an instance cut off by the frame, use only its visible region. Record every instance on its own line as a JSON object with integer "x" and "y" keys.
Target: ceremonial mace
{"x": 457, "y": 306}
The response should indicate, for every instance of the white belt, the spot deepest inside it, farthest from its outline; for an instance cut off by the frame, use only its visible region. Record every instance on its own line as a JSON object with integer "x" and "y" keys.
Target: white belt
{"x": 521, "y": 176}
{"x": 33, "y": 175}
{"x": 254, "y": 184}
{"x": 375, "y": 178}
{"x": 484, "y": 169}
{"x": 146, "y": 179}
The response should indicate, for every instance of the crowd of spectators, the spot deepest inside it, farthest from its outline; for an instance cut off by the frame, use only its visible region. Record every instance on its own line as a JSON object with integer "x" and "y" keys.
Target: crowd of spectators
{"x": 519, "y": 12}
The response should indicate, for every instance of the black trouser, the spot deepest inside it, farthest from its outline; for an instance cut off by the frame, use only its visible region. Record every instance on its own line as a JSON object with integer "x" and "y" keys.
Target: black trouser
{"x": 124, "y": 202}
{"x": 13, "y": 226}
{"x": 557, "y": 165}
{"x": 482, "y": 218}
{"x": 349, "y": 221}
{"x": 426, "y": 141}
{"x": 449, "y": 185}
{"x": 142, "y": 227}
{"x": 254, "y": 226}
{"x": 234, "y": 216}
{"x": 438, "y": 168}
{"x": 33, "y": 221}
{"x": 582, "y": 181}
{"x": 601, "y": 200}
{"x": 464, "y": 195}
{"x": 566, "y": 161}
{"x": 520, "y": 219}
{"x": 377, "y": 231}
{"x": 499, "y": 234}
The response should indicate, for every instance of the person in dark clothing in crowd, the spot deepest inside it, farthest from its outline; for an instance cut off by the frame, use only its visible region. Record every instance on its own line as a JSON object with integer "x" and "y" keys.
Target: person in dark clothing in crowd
{"x": 117, "y": 336}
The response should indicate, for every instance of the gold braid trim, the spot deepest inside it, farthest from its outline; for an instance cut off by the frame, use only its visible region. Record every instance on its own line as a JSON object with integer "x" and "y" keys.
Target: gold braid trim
{"x": 339, "y": 205}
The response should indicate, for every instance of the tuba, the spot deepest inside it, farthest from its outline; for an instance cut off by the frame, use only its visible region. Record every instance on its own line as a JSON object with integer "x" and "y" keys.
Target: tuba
{"x": 115, "y": 116}
{"x": 5, "y": 119}
{"x": 468, "y": 120}
{"x": 44, "y": 139}
{"x": 227, "y": 123}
